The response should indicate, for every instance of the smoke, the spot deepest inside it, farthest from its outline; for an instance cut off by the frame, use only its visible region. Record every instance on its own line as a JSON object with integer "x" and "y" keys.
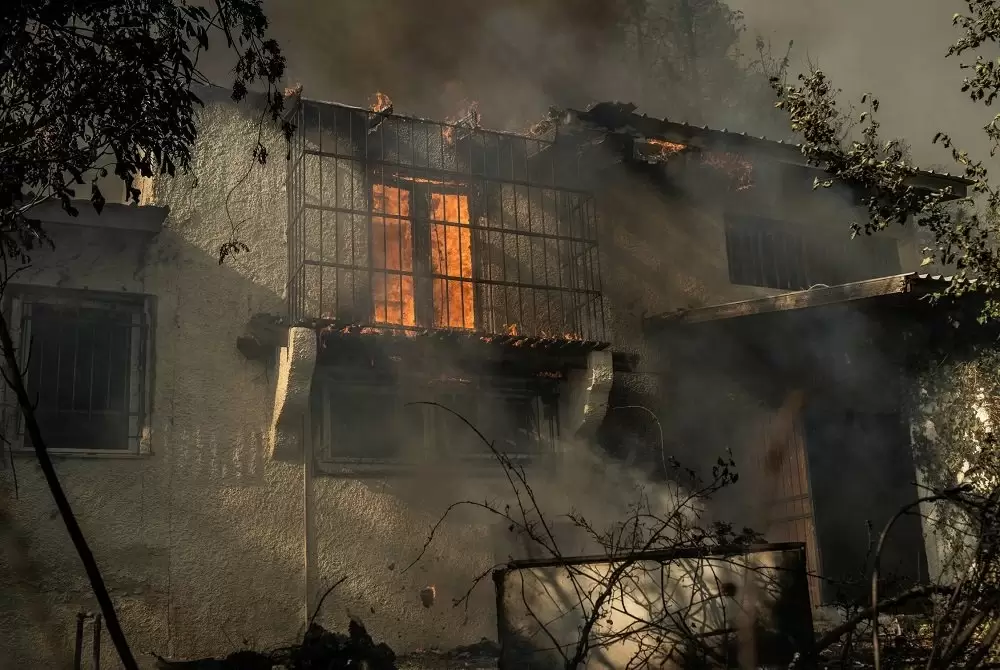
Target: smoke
{"x": 515, "y": 57}
{"x": 894, "y": 49}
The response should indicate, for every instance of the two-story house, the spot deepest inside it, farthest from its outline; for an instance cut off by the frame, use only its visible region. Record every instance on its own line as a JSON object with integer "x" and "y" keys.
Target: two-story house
{"x": 234, "y": 437}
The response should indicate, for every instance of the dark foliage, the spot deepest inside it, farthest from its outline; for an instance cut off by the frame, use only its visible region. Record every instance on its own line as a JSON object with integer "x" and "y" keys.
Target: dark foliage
{"x": 90, "y": 88}
{"x": 95, "y": 88}
{"x": 960, "y": 237}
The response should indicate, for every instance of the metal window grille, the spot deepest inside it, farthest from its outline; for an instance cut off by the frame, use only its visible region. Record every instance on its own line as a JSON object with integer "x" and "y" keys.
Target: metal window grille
{"x": 86, "y": 357}
{"x": 416, "y": 224}
{"x": 384, "y": 422}
{"x": 775, "y": 254}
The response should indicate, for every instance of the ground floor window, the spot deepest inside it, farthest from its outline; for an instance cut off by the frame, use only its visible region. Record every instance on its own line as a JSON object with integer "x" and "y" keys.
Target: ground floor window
{"x": 389, "y": 421}
{"x": 86, "y": 357}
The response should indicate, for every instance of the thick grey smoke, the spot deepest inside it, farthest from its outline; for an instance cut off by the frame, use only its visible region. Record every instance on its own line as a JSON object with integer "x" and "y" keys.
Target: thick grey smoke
{"x": 514, "y": 57}
{"x": 894, "y": 49}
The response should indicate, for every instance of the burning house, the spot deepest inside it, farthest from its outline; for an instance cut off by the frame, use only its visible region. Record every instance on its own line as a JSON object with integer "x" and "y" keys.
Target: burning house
{"x": 398, "y": 266}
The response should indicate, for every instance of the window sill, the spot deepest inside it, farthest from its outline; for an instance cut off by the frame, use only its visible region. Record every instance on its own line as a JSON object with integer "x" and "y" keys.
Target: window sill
{"x": 146, "y": 219}
{"x": 482, "y": 466}
{"x": 85, "y": 453}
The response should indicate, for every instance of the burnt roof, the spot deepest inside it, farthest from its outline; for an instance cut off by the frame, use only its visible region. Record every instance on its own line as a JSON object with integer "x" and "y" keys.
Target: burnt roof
{"x": 621, "y": 118}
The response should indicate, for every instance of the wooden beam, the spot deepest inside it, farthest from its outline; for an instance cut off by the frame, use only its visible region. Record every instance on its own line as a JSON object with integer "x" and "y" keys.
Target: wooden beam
{"x": 815, "y": 297}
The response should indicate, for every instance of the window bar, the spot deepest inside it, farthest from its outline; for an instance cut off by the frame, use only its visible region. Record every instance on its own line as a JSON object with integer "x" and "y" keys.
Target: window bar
{"x": 559, "y": 251}
{"x": 290, "y": 180}
{"x": 547, "y": 302}
{"x": 399, "y": 249}
{"x": 501, "y": 206}
{"x": 320, "y": 159}
{"x": 90, "y": 385}
{"x": 338, "y": 217}
{"x": 76, "y": 354}
{"x": 111, "y": 350}
{"x": 517, "y": 245}
{"x": 400, "y": 222}
{"x": 523, "y": 144}
{"x": 585, "y": 307}
{"x": 59, "y": 354}
{"x": 772, "y": 246}
{"x": 127, "y": 395}
{"x": 599, "y": 285}
{"x": 758, "y": 258}
{"x": 354, "y": 217}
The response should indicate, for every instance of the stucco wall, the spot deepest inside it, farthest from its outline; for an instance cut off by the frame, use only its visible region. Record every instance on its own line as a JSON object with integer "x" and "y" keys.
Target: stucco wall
{"x": 200, "y": 541}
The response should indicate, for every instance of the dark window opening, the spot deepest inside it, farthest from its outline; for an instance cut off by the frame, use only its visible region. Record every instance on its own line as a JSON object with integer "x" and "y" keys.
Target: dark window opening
{"x": 861, "y": 474}
{"x": 389, "y": 422}
{"x": 86, "y": 365}
{"x": 775, "y": 254}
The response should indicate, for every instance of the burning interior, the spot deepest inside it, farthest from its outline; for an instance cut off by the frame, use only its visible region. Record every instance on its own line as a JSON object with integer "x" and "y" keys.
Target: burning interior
{"x": 412, "y": 224}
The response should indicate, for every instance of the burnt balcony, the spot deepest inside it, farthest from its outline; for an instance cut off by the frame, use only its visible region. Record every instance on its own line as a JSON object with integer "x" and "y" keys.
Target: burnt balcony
{"x": 414, "y": 225}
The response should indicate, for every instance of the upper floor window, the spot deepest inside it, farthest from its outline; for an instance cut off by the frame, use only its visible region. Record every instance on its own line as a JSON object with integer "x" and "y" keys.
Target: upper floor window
{"x": 412, "y": 224}
{"x": 422, "y": 255}
{"x": 780, "y": 255}
{"x": 87, "y": 363}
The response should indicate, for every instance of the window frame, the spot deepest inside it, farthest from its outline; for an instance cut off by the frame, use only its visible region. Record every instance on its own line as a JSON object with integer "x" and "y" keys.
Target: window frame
{"x": 17, "y": 296}
{"x": 809, "y": 243}
{"x": 420, "y": 185}
{"x": 327, "y": 385}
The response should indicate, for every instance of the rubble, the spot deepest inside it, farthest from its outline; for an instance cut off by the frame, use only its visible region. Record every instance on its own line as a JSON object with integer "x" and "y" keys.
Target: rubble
{"x": 319, "y": 648}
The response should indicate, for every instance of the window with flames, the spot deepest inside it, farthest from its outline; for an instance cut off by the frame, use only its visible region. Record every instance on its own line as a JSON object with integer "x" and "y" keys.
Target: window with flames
{"x": 421, "y": 241}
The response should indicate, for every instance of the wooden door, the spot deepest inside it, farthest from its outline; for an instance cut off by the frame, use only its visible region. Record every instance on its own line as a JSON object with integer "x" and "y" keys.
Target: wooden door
{"x": 784, "y": 484}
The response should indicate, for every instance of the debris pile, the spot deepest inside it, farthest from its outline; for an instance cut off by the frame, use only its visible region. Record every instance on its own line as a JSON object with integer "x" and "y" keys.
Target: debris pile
{"x": 319, "y": 648}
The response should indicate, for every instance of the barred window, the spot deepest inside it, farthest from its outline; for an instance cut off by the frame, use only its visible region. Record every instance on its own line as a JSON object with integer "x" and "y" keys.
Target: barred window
{"x": 86, "y": 358}
{"x": 417, "y": 230}
{"x": 782, "y": 255}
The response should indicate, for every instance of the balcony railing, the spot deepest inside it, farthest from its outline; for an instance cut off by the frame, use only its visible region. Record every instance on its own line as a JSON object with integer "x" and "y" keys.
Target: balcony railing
{"x": 414, "y": 224}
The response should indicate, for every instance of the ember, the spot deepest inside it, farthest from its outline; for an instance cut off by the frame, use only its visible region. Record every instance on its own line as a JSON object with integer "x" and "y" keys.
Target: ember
{"x": 382, "y": 104}
{"x": 736, "y": 166}
{"x": 655, "y": 150}
{"x": 469, "y": 119}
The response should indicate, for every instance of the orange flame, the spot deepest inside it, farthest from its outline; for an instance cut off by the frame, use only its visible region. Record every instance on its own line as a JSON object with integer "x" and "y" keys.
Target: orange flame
{"x": 381, "y": 103}
{"x": 392, "y": 256}
{"x": 512, "y": 330}
{"x": 470, "y": 118}
{"x": 665, "y": 146}
{"x": 654, "y": 149}
{"x": 451, "y": 256}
